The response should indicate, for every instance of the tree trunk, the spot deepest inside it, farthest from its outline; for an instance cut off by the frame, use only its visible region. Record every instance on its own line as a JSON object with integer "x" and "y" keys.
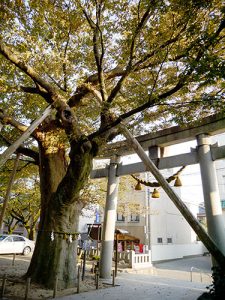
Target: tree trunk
{"x": 56, "y": 245}
{"x": 30, "y": 233}
{"x": 55, "y": 251}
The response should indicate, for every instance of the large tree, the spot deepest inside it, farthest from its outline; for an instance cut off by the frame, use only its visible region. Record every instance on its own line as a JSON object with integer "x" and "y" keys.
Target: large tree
{"x": 97, "y": 63}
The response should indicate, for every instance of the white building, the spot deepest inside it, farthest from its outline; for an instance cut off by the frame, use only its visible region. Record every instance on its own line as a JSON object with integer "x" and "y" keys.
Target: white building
{"x": 160, "y": 225}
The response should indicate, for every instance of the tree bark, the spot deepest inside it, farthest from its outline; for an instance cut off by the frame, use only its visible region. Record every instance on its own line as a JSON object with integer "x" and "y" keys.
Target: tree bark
{"x": 56, "y": 244}
{"x": 55, "y": 251}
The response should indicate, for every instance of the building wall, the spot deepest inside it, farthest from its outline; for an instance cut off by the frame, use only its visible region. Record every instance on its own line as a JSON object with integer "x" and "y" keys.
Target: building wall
{"x": 176, "y": 251}
{"x": 168, "y": 223}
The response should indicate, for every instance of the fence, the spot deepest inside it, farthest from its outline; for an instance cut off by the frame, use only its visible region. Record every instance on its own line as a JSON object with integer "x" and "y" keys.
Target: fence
{"x": 203, "y": 276}
{"x": 140, "y": 260}
{"x": 134, "y": 260}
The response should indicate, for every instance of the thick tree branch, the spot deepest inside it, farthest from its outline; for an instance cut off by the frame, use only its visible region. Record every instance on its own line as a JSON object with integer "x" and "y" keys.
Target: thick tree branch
{"x": 33, "y": 90}
{"x": 18, "y": 216}
{"x": 129, "y": 67}
{"x": 38, "y": 91}
{"x": 136, "y": 110}
{"x": 64, "y": 66}
{"x": 95, "y": 92}
{"x": 9, "y": 120}
{"x": 54, "y": 97}
{"x": 5, "y": 51}
{"x": 82, "y": 91}
{"x": 65, "y": 113}
{"x": 98, "y": 48}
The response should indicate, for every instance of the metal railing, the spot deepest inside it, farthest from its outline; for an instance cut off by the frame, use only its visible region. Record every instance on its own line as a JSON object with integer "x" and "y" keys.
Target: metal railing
{"x": 200, "y": 272}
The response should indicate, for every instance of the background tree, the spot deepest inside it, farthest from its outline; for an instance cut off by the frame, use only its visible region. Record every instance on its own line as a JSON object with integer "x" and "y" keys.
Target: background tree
{"x": 23, "y": 207}
{"x": 26, "y": 207}
{"x": 97, "y": 63}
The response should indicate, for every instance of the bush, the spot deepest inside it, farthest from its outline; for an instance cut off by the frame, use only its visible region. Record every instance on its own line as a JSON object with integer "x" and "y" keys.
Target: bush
{"x": 96, "y": 257}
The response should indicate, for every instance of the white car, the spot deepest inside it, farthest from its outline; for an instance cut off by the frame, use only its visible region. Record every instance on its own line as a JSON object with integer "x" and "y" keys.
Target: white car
{"x": 15, "y": 244}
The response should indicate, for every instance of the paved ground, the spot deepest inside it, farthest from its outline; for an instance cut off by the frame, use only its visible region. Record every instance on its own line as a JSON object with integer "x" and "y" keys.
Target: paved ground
{"x": 139, "y": 286}
{"x": 196, "y": 269}
{"x": 202, "y": 263}
{"x": 144, "y": 287}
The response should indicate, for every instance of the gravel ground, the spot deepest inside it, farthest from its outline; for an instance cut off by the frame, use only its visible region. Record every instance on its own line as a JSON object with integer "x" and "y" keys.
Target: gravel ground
{"x": 16, "y": 286}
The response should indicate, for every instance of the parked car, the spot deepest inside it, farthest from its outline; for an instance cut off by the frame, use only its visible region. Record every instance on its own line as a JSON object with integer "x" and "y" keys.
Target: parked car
{"x": 15, "y": 244}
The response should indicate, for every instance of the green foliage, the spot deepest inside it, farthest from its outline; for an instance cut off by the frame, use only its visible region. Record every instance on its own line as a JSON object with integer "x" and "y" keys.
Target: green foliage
{"x": 24, "y": 203}
{"x": 57, "y": 42}
{"x": 96, "y": 257}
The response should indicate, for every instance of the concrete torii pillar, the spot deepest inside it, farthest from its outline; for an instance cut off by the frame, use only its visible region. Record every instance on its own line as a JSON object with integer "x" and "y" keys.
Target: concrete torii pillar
{"x": 213, "y": 209}
{"x": 109, "y": 219}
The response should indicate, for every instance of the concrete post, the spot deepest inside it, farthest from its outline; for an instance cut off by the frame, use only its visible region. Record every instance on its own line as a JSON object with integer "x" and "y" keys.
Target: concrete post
{"x": 109, "y": 220}
{"x": 213, "y": 209}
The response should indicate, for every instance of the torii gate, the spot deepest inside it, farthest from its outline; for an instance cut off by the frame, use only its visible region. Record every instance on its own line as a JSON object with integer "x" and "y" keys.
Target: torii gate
{"x": 204, "y": 154}
{"x": 212, "y": 125}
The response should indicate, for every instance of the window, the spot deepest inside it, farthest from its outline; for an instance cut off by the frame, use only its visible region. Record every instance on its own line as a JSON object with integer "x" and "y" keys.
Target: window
{"x": 134, "y": 212}
{"x": 169, "y": 240}
{"x": 9, "y": 239}
{"x": 120, "y": 213}
{"x": 134, "y": 218}
{"x": 120, "y": 217}
{"x": 18, "y": 239}
{"x": 159, "y": 240}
